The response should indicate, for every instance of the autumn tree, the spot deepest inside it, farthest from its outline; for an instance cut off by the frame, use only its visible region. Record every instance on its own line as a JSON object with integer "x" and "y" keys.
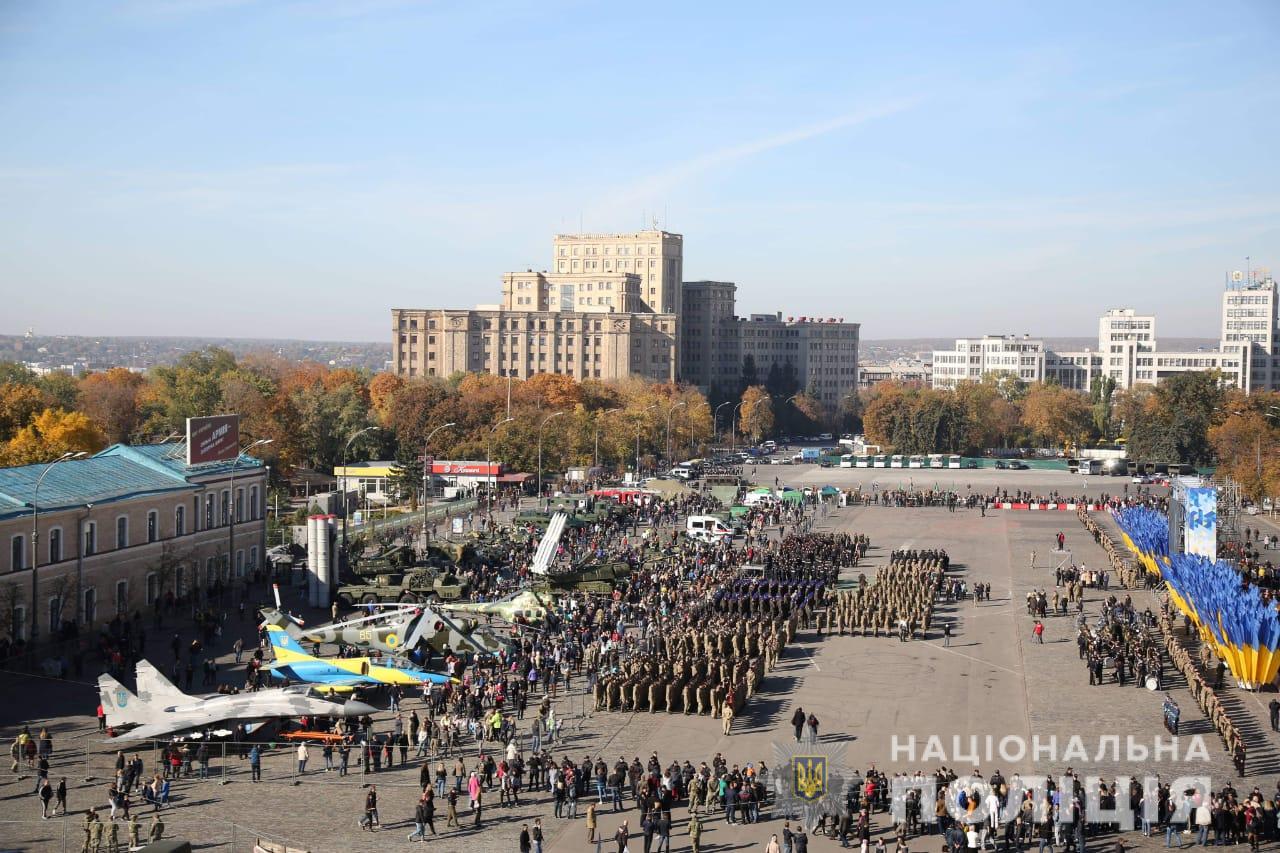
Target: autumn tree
{"x": 1056, "y": 416}
{"x": 50, "y": 434}
{"x": 110, "y": 399}
{"x": 1247, "y": 445}
{"x": 382, "y": 392}
{"x": 19, "y": 403}
{"x": 756, "y": 419}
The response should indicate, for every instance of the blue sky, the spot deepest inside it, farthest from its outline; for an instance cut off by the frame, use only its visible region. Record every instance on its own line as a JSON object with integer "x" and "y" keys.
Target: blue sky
{"x": 296, "y": 169}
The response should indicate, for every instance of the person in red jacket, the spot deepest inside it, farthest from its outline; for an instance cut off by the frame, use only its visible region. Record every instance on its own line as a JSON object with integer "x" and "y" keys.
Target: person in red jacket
{"x": 102, "y": 718}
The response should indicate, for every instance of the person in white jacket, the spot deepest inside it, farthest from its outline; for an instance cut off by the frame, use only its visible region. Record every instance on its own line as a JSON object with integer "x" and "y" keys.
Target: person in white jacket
{"x": 303, "y": 755}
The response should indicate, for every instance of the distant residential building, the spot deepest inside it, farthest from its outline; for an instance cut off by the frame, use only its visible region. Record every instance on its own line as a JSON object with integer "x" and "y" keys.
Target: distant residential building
{"x": 974, "y": 358}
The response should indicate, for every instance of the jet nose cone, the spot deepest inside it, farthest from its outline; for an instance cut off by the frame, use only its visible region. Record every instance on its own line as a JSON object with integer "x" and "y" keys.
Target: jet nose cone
{"x": 355, "y": 708}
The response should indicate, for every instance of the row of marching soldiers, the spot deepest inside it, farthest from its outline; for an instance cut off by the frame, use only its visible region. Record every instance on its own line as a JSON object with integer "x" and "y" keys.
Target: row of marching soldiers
{"x": 1201, "y": 691}
{"x": 899, "y": 602}
{"x": 727, "y": 643}
{"x": 1129, "y": 573}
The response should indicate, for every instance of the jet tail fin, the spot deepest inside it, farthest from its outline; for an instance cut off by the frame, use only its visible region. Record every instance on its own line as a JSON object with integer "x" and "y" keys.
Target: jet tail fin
{"x": 286, "y": 647}
{"x": 153, "y": 685}
{"x": 122, "y": 707}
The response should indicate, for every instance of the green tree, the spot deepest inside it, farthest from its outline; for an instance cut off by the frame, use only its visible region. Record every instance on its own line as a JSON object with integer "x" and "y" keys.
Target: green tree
{"x": 1174, "y": 424}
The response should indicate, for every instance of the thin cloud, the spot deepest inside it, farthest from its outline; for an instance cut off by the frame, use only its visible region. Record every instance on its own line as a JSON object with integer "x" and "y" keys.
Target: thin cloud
{"x": 667, "y": 180}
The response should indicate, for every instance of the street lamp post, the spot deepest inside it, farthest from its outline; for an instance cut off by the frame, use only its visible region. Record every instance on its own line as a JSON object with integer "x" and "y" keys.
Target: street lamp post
{"x": 670, "y": 412}
{"x": 715, "y": 418}
{"x": 426, "y": 474}
{"x": 733, "y": 428}
{"x": 545, "y": 421}
{"x": 345, "y": 448}
{"x": 595, "y": 456}
{"x": 488, "y": 464}
{"x": 35, "y": 544}
{"x": 231, "y": 504}
{"x": 638, "y": 427}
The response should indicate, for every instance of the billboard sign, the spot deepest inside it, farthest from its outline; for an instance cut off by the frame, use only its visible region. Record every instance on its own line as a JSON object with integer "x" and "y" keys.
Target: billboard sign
{"x": 1200, "y": 531}
{"x": 213, "y": 439}
{"x": 466, "y": 469}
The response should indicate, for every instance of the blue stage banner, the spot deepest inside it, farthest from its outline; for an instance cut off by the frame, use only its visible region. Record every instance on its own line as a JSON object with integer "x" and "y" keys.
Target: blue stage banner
{"x": 1200, "y": 531}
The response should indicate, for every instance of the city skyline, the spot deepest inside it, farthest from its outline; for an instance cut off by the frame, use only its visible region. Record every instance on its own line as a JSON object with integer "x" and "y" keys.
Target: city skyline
{"x": 256, "y": 170}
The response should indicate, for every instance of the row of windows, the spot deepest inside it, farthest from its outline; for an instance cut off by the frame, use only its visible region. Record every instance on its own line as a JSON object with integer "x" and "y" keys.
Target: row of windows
{"x": 59, "y": 611}
{"x": 620, "y": 250}
{"x": 18, "y": 547}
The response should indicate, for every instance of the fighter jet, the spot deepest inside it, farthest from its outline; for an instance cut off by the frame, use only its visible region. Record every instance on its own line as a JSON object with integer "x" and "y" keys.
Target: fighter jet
{"x": 160, "y": 709}
{"x": 296, "y": 665}
{"x": 401, "y": 631}
{"x": 524, "y": 607}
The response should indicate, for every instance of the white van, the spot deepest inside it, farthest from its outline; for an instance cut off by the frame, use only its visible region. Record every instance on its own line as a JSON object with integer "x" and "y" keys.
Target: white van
{"x": 753, "y": 498}
{"x": 707, "y": 528}
{"x": 682, "y": 472}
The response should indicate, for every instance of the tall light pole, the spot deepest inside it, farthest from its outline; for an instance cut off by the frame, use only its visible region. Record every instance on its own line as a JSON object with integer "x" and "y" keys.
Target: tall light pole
{"x": 35, "y": 544}
{"x": 715, "y": 418}
{"x": 670, "y": 412}
{"x": 426, "y": 474}
{"x": 638, "y": 427}
{"x": 595, "y": 457}
{"x": 488, "y": 465}
{"x": 231, "y": 505}
{"x": 545, "y": 421}
{"x": 345, "y": 448}
{"x": 733, "y": 428}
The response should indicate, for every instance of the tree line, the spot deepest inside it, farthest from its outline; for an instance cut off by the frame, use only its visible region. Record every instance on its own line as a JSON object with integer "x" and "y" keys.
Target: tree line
{"x": 1189, "y": 418}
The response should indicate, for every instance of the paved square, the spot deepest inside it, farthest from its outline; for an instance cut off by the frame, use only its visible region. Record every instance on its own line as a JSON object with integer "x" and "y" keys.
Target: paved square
{"x": 992, "y": 682}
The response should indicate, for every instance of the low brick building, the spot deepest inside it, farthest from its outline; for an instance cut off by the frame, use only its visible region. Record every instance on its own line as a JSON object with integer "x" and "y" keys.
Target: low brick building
{"x": 119, "y": 530}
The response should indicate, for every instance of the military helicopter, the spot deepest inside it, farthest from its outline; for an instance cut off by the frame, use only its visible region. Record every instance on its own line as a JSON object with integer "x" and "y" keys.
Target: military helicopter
{"x": 522, "y": 608}
{"x": 401, "y": 629}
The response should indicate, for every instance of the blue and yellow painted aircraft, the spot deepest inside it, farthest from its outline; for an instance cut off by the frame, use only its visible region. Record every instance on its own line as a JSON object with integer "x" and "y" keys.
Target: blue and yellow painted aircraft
{"x": 297, "y": 665}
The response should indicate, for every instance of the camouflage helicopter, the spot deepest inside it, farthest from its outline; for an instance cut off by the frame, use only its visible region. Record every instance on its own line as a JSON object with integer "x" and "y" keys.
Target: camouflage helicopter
{"x": 524, "y": 607}
{"x": 402, "y": 631}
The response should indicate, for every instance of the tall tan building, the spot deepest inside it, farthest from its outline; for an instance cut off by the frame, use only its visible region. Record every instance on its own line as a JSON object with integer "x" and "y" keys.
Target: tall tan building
{"x": 521, "y": 343}
{"x": 589, "y": 292}
{"x": 657, "y": 257}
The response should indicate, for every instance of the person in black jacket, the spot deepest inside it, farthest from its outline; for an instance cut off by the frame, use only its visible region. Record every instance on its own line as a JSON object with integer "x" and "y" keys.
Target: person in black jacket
{"x": 370, "y": 810}
{"x": 797, "y": 722}
{"x": 526, "y": 846}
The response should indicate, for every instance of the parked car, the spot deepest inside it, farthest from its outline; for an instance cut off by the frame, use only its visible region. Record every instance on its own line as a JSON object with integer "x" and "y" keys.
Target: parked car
{"x": 1017, "y": 465}
{"x": 1001, "y": 464}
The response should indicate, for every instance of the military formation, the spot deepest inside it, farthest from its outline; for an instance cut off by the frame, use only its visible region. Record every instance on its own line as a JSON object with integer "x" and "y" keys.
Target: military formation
{"x": 899, "y": 602}
{"x": 710, "y": 670}
{"x": 1127, "y": 571}
{"x": 734, "y": 633}
{"x": 1201, "y": 691}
